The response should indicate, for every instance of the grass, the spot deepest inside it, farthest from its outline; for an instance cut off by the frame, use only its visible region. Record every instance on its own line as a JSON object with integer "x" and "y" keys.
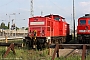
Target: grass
{"x": 72, "y": 58}
{"x": 69, "y": 58}
{"x": 25, "y": 54}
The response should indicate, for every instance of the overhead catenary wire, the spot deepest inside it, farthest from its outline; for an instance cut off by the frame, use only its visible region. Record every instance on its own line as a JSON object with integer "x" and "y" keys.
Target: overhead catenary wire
{"x": 7, "y": 3}
{"x": 54, "y": 4}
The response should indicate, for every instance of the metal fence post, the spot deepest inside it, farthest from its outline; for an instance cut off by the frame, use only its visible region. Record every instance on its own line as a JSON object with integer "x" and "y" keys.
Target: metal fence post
{"x": 56, "y": 51}
{"x": 84, "y": 52}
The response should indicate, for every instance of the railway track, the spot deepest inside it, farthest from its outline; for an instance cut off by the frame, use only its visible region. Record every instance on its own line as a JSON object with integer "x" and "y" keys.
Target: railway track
{"x": 81, "y": 49}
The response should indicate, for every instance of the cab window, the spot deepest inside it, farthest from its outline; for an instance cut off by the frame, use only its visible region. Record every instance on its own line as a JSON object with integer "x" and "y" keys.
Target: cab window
{"x": 82, "y": 22}
{"x": 88, "y": 21}
{"x": 57, "y": 18}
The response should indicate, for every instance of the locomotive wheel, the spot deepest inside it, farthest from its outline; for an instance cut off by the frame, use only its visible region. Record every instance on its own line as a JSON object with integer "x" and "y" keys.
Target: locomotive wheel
{"x": 61, "y": 40}
{"x": 80, "y": 41}
{"x": 39, "y": 46}
{"x": 89, "y": 41}
{"x": 29, "y": 43}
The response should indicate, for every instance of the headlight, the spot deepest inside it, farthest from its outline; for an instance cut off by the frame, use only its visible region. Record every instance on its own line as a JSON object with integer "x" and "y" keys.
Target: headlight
{"x": 48, "y": 37}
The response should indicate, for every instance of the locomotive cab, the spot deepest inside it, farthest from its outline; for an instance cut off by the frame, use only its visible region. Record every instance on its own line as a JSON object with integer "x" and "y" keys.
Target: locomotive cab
{"x": 83, "y": 29}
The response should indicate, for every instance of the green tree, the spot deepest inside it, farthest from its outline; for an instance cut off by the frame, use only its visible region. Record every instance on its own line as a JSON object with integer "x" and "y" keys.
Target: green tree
{"x": 2, "y": 26}
{"x": 26, "y": 28}
{"x": 23, "y": 27}
{"x": 17, "y": 28}
{"x": 5, "y": 27}
{"x": 8, "y": 25}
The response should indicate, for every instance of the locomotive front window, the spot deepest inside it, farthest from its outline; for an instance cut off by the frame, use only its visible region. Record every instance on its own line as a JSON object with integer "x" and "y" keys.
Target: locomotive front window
{"x": 88, "y": 21}
{"x": 82, "y": 22}
{"x": 57, "y": 18}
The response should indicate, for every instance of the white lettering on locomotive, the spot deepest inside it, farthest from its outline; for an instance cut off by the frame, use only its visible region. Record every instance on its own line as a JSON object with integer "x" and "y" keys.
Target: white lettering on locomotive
{"x": 36, "y": 23}
{"x": 81, "y": 30}
{"x": 84, "y": 30}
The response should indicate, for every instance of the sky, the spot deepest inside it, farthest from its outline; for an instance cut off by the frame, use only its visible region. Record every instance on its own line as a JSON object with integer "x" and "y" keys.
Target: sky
{"x": 21, "y": 10}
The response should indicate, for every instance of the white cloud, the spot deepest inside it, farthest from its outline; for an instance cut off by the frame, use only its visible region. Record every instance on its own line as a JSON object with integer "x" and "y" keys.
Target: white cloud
{"x": 83, "y": 8}
{"x": 83, "y": 4}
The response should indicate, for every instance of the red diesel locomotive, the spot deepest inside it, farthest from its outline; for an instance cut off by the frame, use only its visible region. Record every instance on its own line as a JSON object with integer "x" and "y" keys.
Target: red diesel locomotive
{"x": 50, "y": 28}
{"x": 83, "y": 29}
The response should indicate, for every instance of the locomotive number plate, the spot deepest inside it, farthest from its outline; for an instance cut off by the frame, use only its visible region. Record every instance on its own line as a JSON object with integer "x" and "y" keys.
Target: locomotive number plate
{"x": 84, "y": 30}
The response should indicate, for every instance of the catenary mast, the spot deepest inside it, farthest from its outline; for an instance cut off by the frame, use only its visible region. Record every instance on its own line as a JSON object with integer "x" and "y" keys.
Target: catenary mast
{"x": 74, "y": 20}
{"x": 31, "y": 10}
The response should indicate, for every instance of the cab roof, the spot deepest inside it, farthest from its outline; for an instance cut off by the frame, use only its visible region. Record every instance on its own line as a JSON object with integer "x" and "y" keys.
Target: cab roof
{"x": 54, "y": 15}
{"x": 86, "y": 16}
